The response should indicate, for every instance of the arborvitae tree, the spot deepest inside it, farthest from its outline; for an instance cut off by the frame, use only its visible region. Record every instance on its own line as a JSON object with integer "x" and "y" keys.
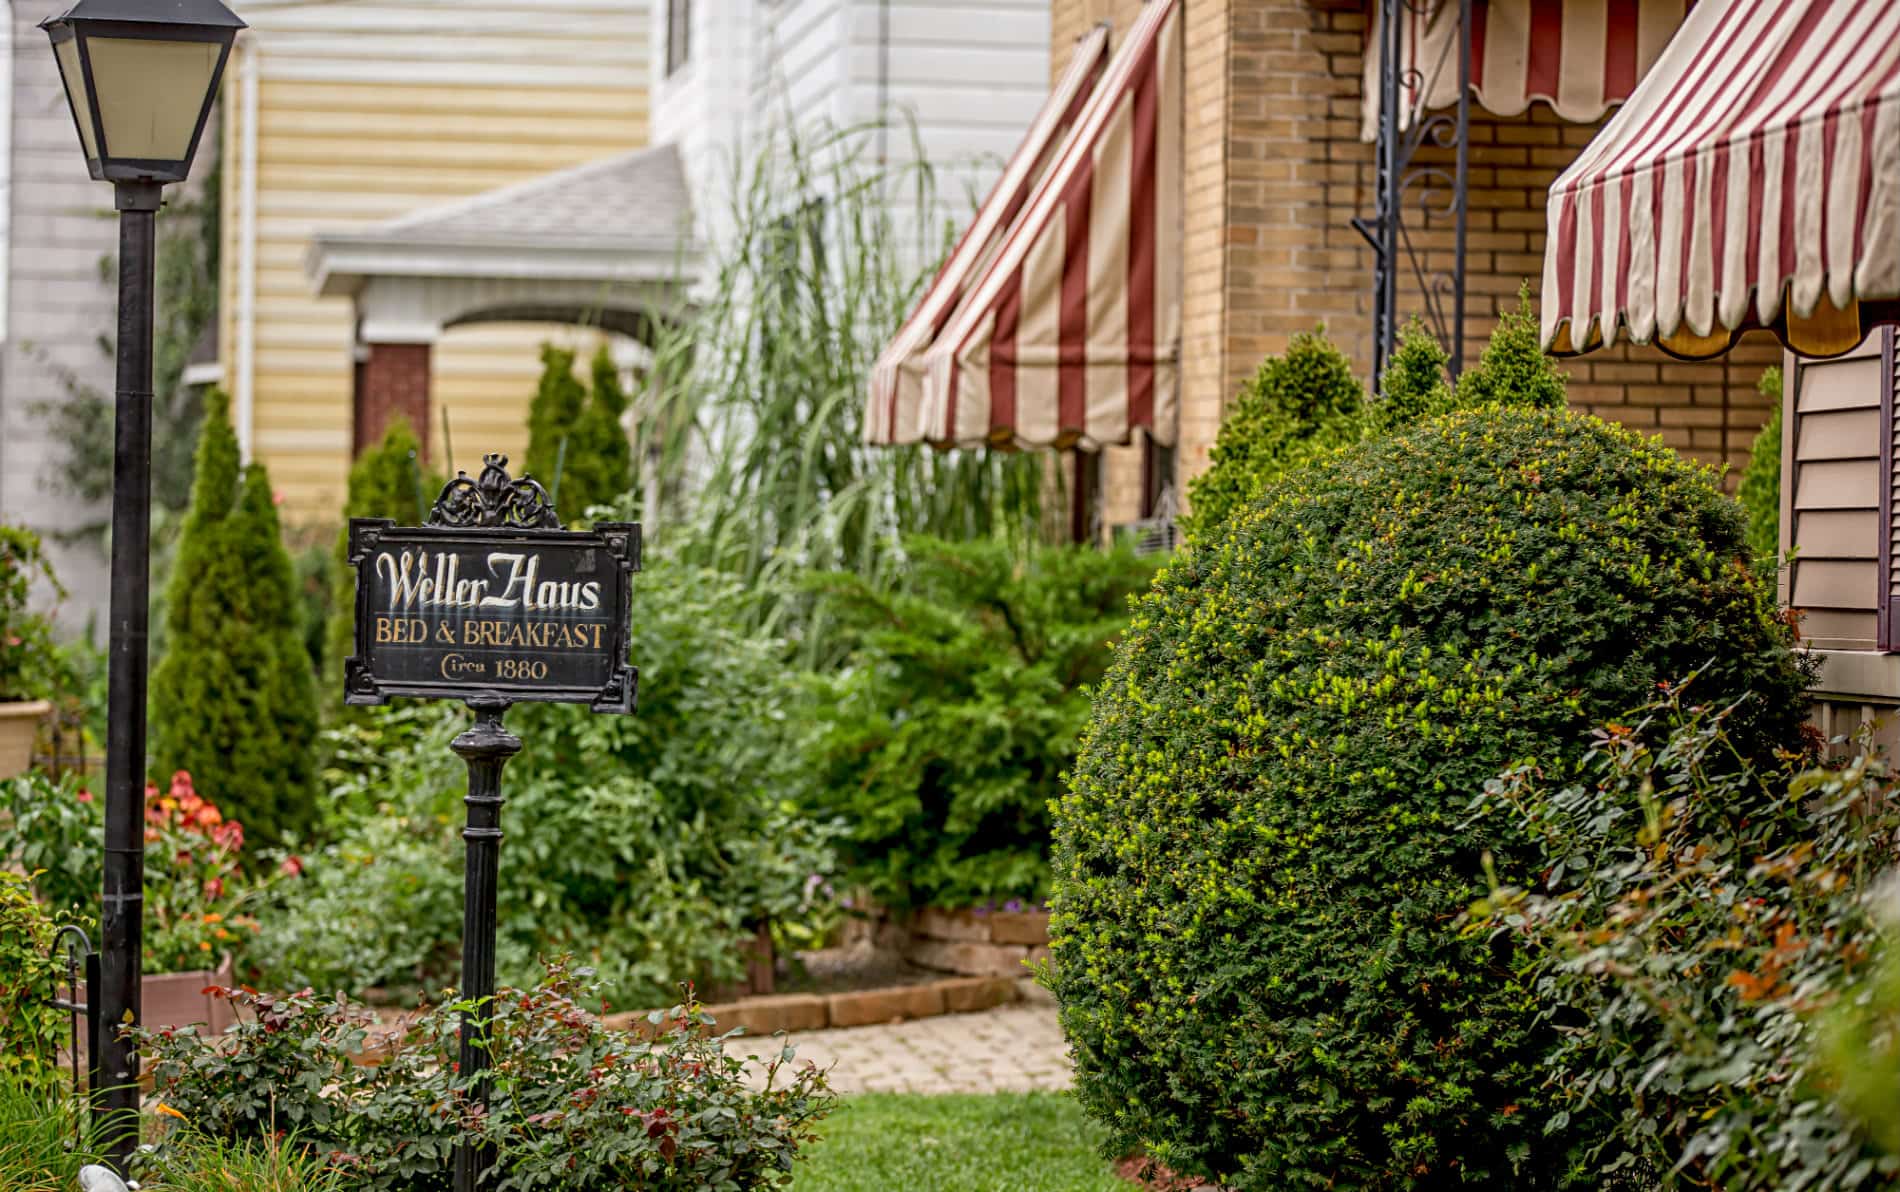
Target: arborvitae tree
{"x": 1514, "y": 371}
{"x": 554, "y": 417}
{"x": 233, "y": 698}
{"x": 387, "y": 480}
{"x": 1414, "y": 387}
{"x": 1299, "y": 408}
{"x": 1760, "y": 490}
{"x": 599, "y": 464}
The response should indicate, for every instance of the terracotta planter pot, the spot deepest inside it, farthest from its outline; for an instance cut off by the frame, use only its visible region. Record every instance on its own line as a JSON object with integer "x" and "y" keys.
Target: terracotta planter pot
{"x": 19, "y": 726}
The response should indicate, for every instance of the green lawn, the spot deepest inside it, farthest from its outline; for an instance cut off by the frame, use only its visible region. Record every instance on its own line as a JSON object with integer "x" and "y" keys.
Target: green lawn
{"x": 1032, "y": 1142}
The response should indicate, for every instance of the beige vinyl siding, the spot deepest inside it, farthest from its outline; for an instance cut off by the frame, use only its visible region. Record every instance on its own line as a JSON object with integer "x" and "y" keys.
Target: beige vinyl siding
{"x": 348, "y": 139}
{"x": 1833, "y": 459}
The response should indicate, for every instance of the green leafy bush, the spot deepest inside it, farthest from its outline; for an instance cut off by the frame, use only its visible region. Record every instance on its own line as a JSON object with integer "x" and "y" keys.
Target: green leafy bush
{"x": 233, "y": 698}
{"x": 1514, "y": 371}
{"x": 1698, "y": 911}
{"x": 30, "y": 1028}
{"x": 30, "y": 664}
{"x": 573, "y": 1104}
{"x": 1414, "y": 387}
{"x": 651, "y": 845}
{"x": 1298, "y": 408}
{"x": 1266, "y": 842}
{"x": 1760, "y": 489}
{"x": 944, "y": 737}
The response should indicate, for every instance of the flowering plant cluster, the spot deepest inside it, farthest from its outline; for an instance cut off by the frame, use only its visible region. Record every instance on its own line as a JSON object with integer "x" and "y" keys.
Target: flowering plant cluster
{"x": 572, "y": 1103}
{"x": 197, "y": 892}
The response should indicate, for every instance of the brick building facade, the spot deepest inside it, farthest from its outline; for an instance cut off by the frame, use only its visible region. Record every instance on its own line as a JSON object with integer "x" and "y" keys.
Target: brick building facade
{"x": 1275, "y": 173}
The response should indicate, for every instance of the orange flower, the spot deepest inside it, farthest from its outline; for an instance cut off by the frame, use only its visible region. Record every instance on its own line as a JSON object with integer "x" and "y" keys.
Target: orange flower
{"x": 168, "y": 1111}
{"x": 214, "y": 918}
{"x": 204, "y": 945}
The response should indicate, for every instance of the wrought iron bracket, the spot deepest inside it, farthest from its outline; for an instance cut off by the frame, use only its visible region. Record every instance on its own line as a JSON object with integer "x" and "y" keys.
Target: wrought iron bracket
{"x": 1436, "y": 192}
{"x": 494, "y": 500}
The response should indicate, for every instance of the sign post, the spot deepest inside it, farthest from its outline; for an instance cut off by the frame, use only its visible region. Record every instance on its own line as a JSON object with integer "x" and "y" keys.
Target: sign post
{"x": 491, "y": 603}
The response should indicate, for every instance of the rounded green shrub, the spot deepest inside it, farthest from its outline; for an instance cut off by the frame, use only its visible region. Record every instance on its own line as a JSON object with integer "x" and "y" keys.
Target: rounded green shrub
{"x": 1298, "y": 408}
{"x": 1268, "y": 839}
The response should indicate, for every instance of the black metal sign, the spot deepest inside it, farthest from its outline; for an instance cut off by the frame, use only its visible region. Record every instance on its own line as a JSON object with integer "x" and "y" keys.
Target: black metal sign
{"x": 486, "y": 601}
{"x": 491, "y": 603}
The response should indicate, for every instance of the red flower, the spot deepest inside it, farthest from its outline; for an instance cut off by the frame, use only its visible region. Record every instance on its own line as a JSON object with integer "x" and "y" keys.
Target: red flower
{"x": 181, "y": 786}
{"x": 214, "y": 888}
{"x": 293, "y": 866}
{"x": 85, "y": 796}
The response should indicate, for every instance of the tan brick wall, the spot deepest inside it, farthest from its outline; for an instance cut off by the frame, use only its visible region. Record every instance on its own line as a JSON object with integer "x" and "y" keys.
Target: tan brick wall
{"x": 1276, "y": 172}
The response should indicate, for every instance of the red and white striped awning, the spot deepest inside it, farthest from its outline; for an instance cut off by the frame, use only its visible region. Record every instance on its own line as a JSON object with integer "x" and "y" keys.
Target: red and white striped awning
{"x": 1578, "y": 56}
{"x": 1070, "y": 336}
{"x": 1752, "y": 181}
{"x": 897, "y": 379}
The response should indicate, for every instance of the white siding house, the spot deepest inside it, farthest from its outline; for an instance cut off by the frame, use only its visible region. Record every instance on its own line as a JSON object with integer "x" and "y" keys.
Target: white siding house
{"x": 970, "y": 74}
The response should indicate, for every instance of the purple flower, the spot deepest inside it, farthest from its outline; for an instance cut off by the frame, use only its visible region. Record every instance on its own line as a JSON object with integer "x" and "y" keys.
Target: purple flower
{"x": 1013, "y": 905}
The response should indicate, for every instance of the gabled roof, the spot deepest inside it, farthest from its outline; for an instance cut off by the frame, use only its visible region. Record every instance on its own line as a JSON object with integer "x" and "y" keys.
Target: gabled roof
{"x": 624, "y": 218}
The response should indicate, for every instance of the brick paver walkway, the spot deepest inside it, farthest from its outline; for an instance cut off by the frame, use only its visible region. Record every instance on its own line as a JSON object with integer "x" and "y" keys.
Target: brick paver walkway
{"x": 1016, "y": 1048}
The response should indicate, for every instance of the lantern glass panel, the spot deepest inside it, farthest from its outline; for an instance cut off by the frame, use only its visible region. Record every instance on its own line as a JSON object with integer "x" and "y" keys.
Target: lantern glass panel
{"x": 75, "y": 80}
{"x": 151, "y": 94}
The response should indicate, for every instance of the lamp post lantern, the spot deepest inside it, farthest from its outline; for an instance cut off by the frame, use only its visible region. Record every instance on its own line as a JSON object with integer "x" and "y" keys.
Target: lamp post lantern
{"x": 140, "y": 77}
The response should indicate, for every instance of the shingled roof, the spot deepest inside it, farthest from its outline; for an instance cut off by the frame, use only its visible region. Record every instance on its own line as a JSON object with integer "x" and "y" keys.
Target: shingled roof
{"x": 622, "y": 218}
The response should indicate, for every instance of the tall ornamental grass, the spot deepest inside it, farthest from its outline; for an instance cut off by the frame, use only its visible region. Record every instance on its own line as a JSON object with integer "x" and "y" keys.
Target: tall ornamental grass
{"x": 750, "y": 424}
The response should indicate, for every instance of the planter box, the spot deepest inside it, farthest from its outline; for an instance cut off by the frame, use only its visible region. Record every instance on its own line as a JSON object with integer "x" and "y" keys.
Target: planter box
{"x": 179, "y": 999}
{"x": 977, "y": 943}
{"x": 19, "y": 728}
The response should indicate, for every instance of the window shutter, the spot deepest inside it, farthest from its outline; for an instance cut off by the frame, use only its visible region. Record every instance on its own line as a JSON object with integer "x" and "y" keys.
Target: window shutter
{"x": 1838, "y": 495}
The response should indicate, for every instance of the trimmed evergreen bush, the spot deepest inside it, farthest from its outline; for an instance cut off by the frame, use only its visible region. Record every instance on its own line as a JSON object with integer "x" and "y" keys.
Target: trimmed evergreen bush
{"x": 387, "y": 480}
{"x": 1414, "y": 387}
{"x": 1760, "y": 489}
{"x": 1298, "y": 408}
{"x": 1514, "y": 371}
{"x": 576, "y": 445}
{"x": 233, "y": 699}
{"x": 1267, "y": 841}
{"x": 943, "y": 739}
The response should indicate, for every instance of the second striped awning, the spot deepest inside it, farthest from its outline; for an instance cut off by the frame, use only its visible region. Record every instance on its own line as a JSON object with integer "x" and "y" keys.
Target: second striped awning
{"x": 1753, "y": 180}
{"x": 1071, "y": 339}
{"x": 1578, "y": 56}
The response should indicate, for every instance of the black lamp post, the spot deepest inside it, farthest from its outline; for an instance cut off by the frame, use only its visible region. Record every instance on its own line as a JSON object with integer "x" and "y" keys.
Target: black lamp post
{"x": 141, "y": 76}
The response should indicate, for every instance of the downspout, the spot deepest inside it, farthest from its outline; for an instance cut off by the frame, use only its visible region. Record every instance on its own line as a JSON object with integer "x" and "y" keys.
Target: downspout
{"x": 883, "y": 83}
{"x": 246, "y": 378}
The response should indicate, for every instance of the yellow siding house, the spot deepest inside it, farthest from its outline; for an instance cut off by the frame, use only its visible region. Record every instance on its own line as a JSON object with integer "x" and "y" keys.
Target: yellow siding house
{"x": 350, "y": 116}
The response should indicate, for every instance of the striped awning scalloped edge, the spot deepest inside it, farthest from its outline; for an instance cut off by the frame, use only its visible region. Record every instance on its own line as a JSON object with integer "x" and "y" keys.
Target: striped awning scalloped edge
{"x": 1752, "y": 181}
{"x": 1578, "y": 56}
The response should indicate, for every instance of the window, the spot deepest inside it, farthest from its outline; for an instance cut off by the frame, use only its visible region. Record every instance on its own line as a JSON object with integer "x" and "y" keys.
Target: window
{"x": 679, "y": 34}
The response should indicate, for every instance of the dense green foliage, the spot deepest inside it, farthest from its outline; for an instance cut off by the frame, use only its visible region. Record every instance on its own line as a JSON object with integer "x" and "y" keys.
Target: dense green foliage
{"x": 30, "y": 1029}
{"x": 30, "y": 663}
{"x": 1267, "y": 839}
{"x": 234, "y": 699}
{"x": 1760, "y": 489}
{"x": 1298, "y": 408}
{"x": 1696, "y": 915}
{"x": 943, "y": 739}
{"x": 1023, "y": 1142}
{"x": 1414, "y": 387}
{"x": 387, "y": 480}
{"x": 651, "y": 845}
{"x": 1514, "y": 371}
{"x": 573, "y": 1105}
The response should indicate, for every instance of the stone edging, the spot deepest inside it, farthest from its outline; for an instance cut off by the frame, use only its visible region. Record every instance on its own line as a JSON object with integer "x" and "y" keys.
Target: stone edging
{"x": 796, "y": 1012}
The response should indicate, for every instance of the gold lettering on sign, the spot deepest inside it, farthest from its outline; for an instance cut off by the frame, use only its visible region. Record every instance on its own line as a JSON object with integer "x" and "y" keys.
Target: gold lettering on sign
{"x": 421, "y": 582}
